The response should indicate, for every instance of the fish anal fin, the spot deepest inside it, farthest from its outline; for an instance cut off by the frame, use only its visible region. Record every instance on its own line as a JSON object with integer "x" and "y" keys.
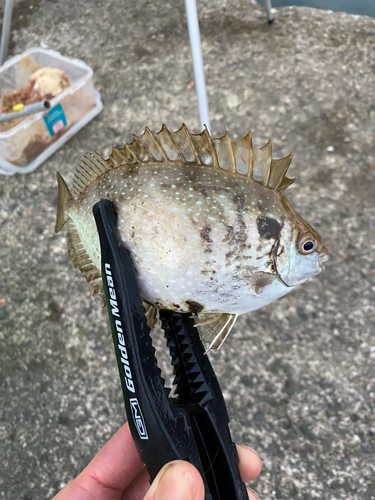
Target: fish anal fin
{"x": 81, "y": 260}
{"x": 63, "y": 197}
{"x": 215, "y": 328}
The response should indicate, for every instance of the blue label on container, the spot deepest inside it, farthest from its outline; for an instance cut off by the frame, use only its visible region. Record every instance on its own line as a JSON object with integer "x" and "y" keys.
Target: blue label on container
{"x": 55, "y": 120}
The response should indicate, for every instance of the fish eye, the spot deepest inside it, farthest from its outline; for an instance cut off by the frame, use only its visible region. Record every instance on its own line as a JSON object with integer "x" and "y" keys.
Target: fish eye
{"x": 307, "y": 244}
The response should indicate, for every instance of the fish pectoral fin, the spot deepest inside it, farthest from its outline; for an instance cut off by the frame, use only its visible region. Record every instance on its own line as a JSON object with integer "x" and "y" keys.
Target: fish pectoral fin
{"x": 215, "y": 329}
{"x": 211, "y": 319}
{"x": 82, "y": 261}
{"x": 150, "y": 313}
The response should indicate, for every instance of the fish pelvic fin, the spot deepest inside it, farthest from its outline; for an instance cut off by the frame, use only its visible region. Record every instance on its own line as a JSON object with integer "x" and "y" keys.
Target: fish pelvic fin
{"x": 63, "y": 196}
{"x": 150, "y": 313}
{"x": 215, "y": 328}
{"x": 81, "y": 260}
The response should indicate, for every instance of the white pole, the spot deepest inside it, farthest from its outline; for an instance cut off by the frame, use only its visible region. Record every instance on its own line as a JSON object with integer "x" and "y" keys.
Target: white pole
{"x": 7, "y": 19}
{"x": 269, "y": 10}
{"x": 196, "y": 52}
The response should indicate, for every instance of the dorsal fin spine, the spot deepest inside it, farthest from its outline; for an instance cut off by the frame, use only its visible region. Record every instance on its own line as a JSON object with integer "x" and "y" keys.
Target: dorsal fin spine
{"x": 159, "y": 146}
{"x": 212, "y": 147}
{"x": 287, "y": 159}
{"x": 175, "y": 146}
{"x": 232, "y": 168}
{"x": 156, "y": 142}
{"x": 151, "y": 157}
{"x": 118, "y": 157}
{"x": 251, "y": 155}
{"x": 285, "y": 183}
{"x": 191, "y": 142}
{"x": 199, "y": 149}
{"x": 268, "y": 149}
{"x": 133, "y": 153}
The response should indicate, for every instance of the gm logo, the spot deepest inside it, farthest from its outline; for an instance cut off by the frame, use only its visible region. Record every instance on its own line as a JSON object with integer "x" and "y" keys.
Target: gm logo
{"x": 138, "y": 418}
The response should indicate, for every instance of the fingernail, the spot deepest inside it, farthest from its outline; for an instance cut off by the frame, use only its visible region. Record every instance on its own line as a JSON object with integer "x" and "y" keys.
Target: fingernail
{"x": 252, "y": 494}
{"x": 174, "y": 483}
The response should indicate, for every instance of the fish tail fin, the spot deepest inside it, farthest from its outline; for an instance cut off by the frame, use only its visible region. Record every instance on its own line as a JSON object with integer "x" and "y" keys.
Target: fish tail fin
{"x": 63, "y": 196}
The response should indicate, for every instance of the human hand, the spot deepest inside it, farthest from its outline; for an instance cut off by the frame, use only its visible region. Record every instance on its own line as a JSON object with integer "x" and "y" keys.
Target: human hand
{"x": 117, "y": 473}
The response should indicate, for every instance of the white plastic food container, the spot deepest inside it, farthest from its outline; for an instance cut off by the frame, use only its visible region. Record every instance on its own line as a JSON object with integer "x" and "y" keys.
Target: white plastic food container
{"x": 24, "y": 147}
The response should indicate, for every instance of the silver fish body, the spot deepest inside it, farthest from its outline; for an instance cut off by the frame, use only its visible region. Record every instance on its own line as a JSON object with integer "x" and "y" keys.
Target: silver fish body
{"x": 205, "y": 240}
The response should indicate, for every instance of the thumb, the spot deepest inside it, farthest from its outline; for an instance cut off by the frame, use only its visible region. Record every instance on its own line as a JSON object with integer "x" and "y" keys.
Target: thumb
{"x": 177, "y": 480}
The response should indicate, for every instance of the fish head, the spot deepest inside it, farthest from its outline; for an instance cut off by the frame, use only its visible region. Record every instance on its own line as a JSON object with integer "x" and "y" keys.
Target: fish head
{"x": 300, "y": 252}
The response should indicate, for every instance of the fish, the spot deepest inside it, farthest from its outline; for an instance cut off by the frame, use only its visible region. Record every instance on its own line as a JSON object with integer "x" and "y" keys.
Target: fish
{"x": 204, "y": 219}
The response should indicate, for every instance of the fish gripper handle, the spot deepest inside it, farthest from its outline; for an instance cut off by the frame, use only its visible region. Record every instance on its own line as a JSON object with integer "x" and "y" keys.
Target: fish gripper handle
{"x": 193, "y": 426}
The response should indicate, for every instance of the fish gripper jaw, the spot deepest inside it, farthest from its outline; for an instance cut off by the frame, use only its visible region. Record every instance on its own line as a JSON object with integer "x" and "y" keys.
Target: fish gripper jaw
{"x": 192, "y": 426}
{"x": 188, "y": 362}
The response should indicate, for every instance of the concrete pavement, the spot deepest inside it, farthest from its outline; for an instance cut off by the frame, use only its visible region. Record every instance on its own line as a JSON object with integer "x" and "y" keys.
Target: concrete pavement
{"x": 298, "y": 375}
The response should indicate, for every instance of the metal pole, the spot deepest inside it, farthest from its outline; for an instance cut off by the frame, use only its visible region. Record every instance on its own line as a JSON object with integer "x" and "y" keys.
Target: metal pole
{"x": 196, "y": 51}
{"x": 7, "y": 19}
{"x": 268, "y": 5}
{"x": 27, "y": 110}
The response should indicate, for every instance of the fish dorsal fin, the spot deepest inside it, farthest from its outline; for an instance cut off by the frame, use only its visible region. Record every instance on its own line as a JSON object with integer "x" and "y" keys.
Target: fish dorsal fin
{"x": 237, "y": 157}
{"x": 90, "y": 167}
{"x": 82, "y": 261}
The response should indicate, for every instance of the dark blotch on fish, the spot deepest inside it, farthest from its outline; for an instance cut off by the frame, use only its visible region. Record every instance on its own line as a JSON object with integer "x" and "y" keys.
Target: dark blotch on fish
{"x": 194, "y": 307}
{"x": 205, "y": 234}
{"x": 260, "y": 206}
{"x": 268, "y": 228}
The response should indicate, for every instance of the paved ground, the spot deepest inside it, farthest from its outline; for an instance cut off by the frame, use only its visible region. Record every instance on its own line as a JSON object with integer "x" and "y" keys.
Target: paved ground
{"x": 299, "y": 375}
